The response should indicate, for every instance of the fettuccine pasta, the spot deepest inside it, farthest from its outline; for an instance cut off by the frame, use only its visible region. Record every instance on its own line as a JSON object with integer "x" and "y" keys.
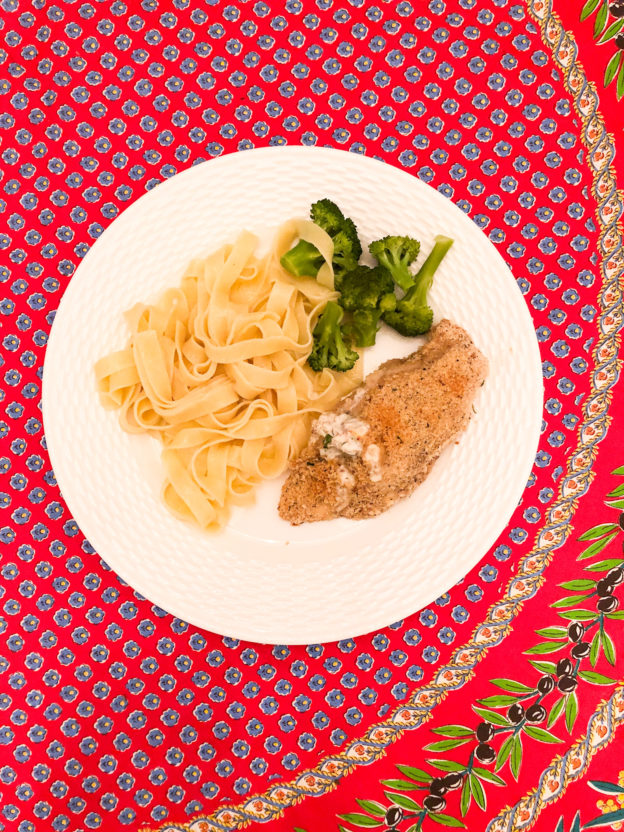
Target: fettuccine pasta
{"x": 216, "y": 370}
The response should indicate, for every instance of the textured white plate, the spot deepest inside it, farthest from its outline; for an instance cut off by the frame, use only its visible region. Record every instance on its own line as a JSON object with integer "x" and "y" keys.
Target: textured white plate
{"x": 262, "y": 579}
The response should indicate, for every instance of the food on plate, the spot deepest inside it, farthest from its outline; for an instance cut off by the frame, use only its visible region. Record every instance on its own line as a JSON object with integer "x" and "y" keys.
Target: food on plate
{"x": 303, "y": 259}
{"x": 412, "y": 314}
{"x": 330, "y": 349}
{"x": 216, "y": 370}
{"x": 229, "y": 369}
{"x": 396, "y": 255}
{"x": 367, "y": 293}
{"x": 383, "y": 439}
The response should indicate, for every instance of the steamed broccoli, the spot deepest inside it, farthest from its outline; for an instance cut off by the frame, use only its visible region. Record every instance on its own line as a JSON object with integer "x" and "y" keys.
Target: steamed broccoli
{"x": 362, "y": 287}
{"x": 396, "y": 254}
{"x": 331, "y": 219}
{"x": 368, "y": 294}
{"x": 330, "y": 349}
{"x": 413, "y": 315}
{"x": 364, "y": 323}
{"x": 304, "y": 259}
{"x": 343, "y": 259}
{"x": 350, "y": 230}
{"x": 328, "y": 215}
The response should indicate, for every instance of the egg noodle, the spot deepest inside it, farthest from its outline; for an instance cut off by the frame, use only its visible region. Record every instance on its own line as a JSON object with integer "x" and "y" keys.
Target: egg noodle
{"x": 216, "y": 369}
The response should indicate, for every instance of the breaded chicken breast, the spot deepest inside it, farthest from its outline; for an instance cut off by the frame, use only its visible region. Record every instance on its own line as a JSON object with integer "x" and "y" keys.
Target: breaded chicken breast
{"x": 383, "y": 439}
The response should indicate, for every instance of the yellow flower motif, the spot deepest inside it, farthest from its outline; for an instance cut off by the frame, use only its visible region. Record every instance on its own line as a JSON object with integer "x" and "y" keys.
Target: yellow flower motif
{"x": 610, "y": 805}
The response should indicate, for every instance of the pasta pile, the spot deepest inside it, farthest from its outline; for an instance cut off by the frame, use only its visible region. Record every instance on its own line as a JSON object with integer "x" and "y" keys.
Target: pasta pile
{"x": 216, "y": 369}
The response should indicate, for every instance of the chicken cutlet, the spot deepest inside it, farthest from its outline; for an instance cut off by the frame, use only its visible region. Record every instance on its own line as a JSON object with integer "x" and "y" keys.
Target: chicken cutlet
{"x": 383, "y": 439}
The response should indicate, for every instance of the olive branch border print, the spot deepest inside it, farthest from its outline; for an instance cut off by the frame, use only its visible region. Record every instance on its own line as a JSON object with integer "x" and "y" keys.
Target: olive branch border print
{"x": 564, "y": 659}
{"x": 609, "y": 28}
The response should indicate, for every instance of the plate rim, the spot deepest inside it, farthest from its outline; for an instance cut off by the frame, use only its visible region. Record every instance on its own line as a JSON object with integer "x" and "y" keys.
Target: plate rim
{"x": 229, "y": 159}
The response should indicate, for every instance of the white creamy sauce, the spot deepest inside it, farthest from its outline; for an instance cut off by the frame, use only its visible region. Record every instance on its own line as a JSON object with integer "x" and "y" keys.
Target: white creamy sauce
{"x": 342, "y": 436}
{"x": 371, "y": 457}
{"x": 331, "y": 453}
{"x": 346, "y": 433}
{"x": 343, "y": 496}
{"x": 346, "y": 477}
{"x": 356, "y": 397}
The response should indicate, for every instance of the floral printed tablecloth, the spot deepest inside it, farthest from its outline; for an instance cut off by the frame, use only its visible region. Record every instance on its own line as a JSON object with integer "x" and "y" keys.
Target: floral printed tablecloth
{"x": 499, "y": 706}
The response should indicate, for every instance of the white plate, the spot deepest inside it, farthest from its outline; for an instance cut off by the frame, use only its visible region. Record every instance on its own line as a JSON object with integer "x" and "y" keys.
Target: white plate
{"x": 262, "y": 579}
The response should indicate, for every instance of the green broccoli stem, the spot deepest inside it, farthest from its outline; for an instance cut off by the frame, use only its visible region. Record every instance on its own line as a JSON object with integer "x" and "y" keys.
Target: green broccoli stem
{"x": 424, "y": 276}
{"x": 423, "y": 279}
{"x": 413, "y": 315}
{"x": 330, "y": 318}
{"x": 302, "y": 260}
{"x": 363, "y": 329}
{"x": 403, "y": 280}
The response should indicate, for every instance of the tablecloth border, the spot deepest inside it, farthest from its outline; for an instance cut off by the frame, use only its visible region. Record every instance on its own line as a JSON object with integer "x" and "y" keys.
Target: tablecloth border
{"x": 563, "y": 770}
{"x": 554, "y": 780}
{"x": 601, "y": 150}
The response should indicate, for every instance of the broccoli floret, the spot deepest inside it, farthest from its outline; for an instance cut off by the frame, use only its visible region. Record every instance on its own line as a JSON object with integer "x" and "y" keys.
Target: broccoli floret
{"x": 330, "y": 349}
{"x": 350, "y": 232}
{"x": 363, "y": 326}
{"x": 364, "y": 323}
{"x": 343, "y": 259}
{"x": 304, "y": 257}
{"x": 328, "y": 215}
{"x": 302, "y": 260}
{"x": 396, "y": 254}
{"x": 366, "y": 293}
{"x": 331, "y": 219}
{"x": 413, "y": 315}
{"x": 342, "y": 230}
{"x": 363, "y": 287}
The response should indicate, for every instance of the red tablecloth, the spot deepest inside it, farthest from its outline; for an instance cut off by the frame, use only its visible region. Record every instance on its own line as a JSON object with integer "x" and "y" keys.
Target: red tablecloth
{"x": 113, "y": 713}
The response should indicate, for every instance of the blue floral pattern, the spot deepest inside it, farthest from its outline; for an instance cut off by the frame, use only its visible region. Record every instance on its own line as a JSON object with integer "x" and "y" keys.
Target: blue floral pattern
{"x": 136, "y": 715}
